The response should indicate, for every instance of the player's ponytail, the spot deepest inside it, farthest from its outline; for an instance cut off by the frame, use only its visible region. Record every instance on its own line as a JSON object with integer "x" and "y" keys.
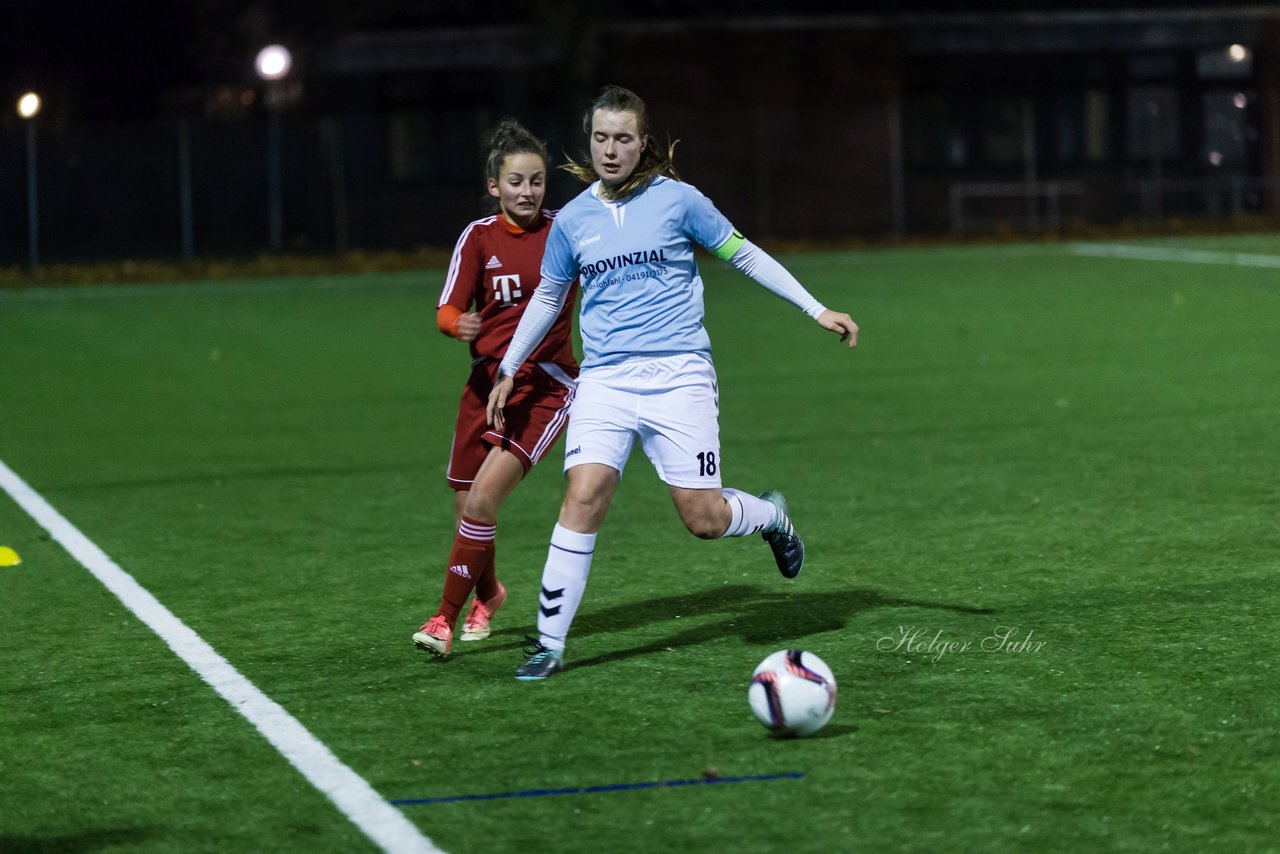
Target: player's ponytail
{"x": 654, "y": 160}
{"x": 505, "y": 138}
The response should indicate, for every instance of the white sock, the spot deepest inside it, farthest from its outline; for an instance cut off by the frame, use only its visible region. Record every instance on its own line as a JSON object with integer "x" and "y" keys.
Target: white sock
{"x": 751, "y": 515}
{"x": 564, "y": 579}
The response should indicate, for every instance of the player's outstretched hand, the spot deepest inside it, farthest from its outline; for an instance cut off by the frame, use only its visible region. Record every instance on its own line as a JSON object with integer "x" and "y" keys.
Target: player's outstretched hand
{"x": 840, "y": 323}
{"x": 498, "y": 401}
{"x": 468, "y": 326}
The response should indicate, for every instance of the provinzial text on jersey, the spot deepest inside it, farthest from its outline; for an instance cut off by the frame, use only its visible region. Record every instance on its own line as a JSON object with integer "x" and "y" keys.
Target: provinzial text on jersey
{"x": 647, "y": 256}
{"x": 601, "y": 284}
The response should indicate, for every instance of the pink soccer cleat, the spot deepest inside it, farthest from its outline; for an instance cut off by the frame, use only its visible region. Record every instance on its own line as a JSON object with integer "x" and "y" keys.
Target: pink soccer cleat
{"x": 435, "y": 637}
{"x": 476, "y": 626}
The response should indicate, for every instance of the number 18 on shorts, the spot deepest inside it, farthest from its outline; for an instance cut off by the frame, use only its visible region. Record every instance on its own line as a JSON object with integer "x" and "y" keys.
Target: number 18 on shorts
{"x": 669, "y": 403}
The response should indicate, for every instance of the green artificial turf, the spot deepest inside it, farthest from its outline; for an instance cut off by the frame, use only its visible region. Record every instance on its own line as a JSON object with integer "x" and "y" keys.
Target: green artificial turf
{"x": 1075, "y": 453}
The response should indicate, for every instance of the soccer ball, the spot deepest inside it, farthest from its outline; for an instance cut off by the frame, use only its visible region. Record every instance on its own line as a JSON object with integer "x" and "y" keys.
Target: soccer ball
{"x": 793, "y": 693}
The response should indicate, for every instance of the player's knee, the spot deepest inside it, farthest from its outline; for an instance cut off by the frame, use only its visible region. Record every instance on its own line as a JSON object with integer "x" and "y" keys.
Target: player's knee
{"x": 583, "y": 511}
{"x": 704, "y": 526}
{"x": 481, "y": 506}
{"x": 486, "y": 497}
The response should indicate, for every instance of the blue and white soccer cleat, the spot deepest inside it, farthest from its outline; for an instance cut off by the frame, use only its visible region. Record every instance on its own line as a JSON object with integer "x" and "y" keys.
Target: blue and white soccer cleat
{"x": 788, "y": 548}
{"x": 542, "y": 662}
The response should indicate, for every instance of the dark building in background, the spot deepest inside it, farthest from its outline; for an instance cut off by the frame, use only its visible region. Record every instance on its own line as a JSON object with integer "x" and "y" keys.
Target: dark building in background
{"x": 817, "y": 124}
{"x": 1106, "y": 116}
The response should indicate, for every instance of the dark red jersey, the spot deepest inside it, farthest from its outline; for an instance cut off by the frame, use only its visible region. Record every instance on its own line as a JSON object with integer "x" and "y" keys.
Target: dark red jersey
{"x": 495, "y": 268}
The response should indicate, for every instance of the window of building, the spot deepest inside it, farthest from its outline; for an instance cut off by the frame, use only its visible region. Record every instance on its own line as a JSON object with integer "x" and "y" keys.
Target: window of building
{"x": 1229, "y": 62}
{"x": 1154, "y": 122}
{"x": 1152, "y": 66}
{"x": 1067, "y": 122}
{"x": 1227, "y": 132}
{"x": 1005, "y": 129}
{"x": 409, "y": 138}
{"x": 935, "y": 136}
{"x": 1097, "y": 125}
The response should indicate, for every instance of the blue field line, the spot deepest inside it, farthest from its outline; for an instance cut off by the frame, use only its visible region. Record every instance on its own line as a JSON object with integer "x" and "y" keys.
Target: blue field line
{"x": 589, "y": 790}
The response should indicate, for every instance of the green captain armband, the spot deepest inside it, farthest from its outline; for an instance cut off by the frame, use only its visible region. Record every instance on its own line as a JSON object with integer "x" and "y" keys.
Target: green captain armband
{"x": 730, "y": 247}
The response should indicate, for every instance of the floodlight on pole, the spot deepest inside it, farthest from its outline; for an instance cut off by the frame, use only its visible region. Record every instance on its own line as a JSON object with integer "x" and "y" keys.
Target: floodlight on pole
{"x": 272, "y": 64}
{"x": 29, "y": 105}
{"x": 28, "y": 109}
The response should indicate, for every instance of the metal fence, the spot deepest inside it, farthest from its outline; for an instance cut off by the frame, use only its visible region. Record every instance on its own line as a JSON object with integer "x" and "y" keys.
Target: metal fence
{"x": 181, "y": 188}
{"x": 186, "y": 188}
{"x": 1052, "y": 206}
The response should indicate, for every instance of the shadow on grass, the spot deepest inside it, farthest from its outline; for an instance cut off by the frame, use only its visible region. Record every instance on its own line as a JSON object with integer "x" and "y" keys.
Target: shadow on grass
{"x": 757, "y": 615}
{"x": 834, "y": 731}
{"x": 90, "y": 840}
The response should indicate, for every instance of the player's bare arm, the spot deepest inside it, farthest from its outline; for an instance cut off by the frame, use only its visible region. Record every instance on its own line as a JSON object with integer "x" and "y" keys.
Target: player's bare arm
{"x": 547, "y": 300}
{"x": 498, "y": 401}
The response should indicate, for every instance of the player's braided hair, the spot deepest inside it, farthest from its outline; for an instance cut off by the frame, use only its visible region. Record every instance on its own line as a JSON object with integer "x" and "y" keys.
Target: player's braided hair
{"x": 654, "y": 160}
{"x": 509, "y": 137}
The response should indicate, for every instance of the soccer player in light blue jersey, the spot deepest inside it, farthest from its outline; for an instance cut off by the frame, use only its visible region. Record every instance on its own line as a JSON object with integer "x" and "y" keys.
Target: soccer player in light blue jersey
{"x": 646, "y": 369}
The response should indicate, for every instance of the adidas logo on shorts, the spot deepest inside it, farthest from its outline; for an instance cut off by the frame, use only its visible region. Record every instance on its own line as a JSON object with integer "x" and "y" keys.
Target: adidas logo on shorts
{"x": 493, "y": 263}
{"x": 461, "y": 569}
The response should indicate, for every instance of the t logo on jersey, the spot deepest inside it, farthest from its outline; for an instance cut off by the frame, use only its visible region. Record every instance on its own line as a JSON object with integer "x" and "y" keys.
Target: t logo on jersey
{"x": 506, "y": 288}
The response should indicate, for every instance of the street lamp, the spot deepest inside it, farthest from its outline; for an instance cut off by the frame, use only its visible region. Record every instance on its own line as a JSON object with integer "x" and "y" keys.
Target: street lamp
{"x": 272, "y": 65}
{"x": 28, "y": 109}
{"x": 29, "y": 105}
{"x": 273, "y": 62}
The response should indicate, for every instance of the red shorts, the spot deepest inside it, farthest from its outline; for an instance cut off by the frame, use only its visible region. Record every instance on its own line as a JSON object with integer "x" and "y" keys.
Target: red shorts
{"x": 536, "y": 414}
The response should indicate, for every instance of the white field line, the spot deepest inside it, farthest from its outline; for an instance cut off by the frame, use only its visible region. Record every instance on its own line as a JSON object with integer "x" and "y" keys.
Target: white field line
{"x": 382, "y": 823}
{"x": 1182, "y": 256}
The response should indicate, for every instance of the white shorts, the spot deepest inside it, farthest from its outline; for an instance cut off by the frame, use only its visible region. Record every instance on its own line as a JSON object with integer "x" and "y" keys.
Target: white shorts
{"x": 670, "y": 402}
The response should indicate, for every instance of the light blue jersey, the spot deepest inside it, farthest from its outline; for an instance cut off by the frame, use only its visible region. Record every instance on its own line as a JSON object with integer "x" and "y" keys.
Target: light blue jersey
{"x": 641, "y": 292}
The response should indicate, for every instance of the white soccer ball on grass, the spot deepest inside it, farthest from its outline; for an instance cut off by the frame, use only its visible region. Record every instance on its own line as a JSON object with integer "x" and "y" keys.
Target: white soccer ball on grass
{"x": 793, "y": 693}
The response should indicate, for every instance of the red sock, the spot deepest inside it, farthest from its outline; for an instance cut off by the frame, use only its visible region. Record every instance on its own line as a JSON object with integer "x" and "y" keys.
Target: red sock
{"x": 487, "y": 583}
{"x": 472, "y": 552}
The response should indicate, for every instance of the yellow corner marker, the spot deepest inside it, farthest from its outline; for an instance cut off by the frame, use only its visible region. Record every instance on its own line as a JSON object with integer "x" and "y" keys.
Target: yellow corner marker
{"x": 8, "y": 557}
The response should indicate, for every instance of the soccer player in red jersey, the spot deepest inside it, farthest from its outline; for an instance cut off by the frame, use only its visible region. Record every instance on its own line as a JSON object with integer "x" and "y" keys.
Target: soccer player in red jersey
{"x": 494, "y": 270}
